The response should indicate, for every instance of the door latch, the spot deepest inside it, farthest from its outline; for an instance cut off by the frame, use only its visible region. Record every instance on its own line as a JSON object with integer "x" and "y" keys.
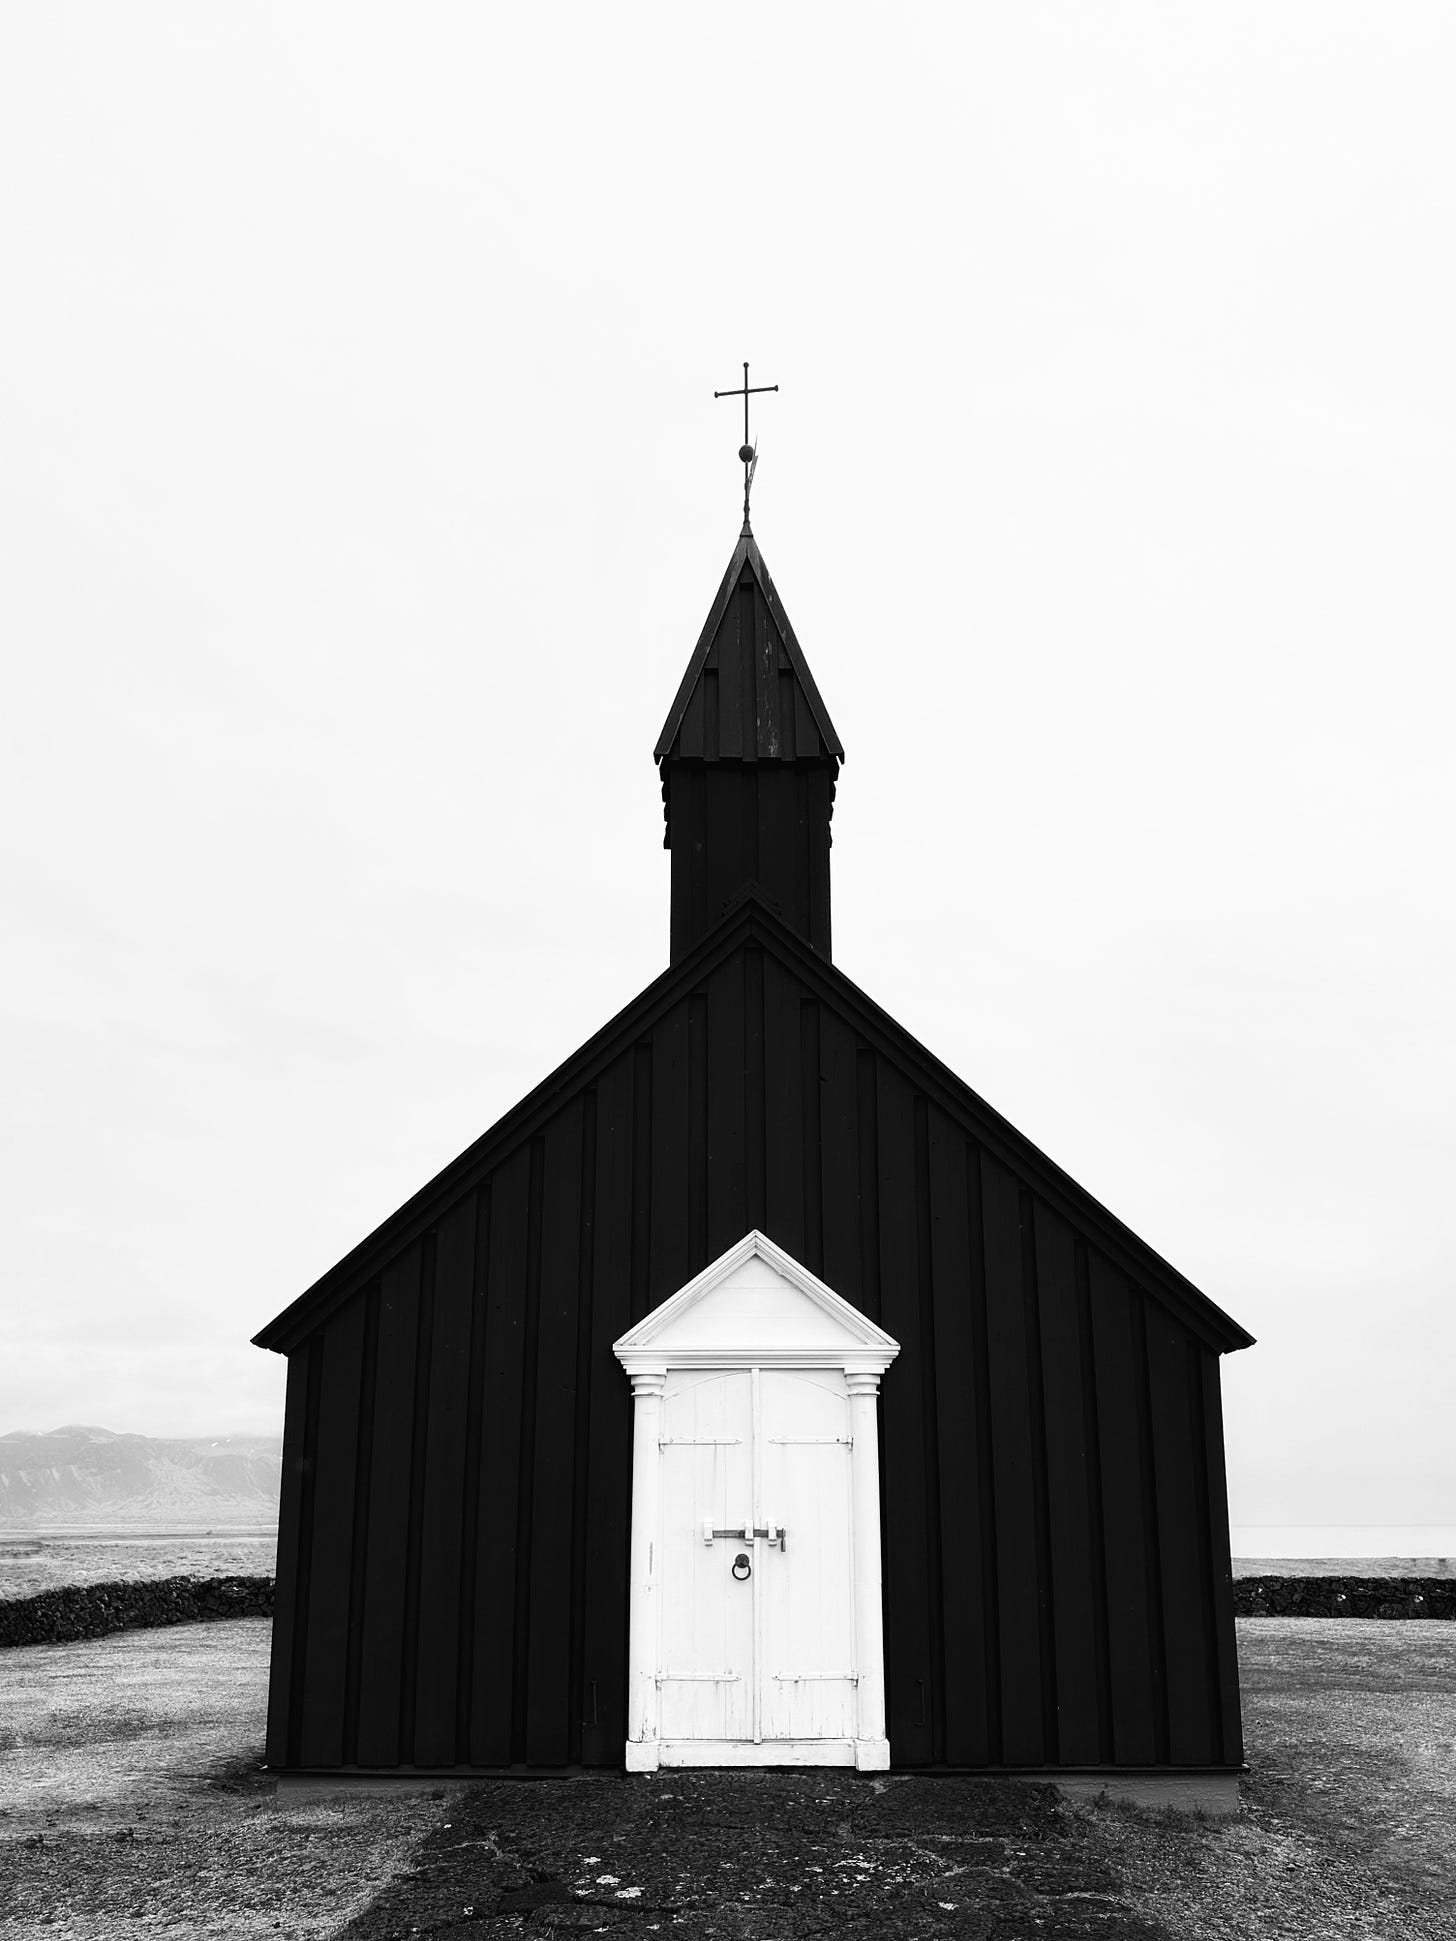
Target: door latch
{"x": 772, "y": 1533}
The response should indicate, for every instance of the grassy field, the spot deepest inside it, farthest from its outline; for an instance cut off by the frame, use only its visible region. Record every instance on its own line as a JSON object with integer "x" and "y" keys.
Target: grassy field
{"x": 131, "y": 1803}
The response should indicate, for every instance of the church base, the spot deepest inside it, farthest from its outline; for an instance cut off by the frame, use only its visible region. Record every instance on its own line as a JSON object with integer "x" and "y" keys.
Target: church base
{"x": 1216, "y": 1794}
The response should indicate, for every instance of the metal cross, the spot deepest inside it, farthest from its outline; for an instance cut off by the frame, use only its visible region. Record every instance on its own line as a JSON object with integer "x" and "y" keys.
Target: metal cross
{"x": 748, "y": 453}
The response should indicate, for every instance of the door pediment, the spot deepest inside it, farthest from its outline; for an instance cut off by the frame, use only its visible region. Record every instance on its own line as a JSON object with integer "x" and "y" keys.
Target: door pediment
{"x": 756, "y": 1306}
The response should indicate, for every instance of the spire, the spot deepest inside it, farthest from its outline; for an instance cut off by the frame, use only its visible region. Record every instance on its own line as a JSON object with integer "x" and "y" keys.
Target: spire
{"x": 749, "y": 760}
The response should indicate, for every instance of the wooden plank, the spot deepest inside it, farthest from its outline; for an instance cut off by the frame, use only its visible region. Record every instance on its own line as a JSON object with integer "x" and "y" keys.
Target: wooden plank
{"x": 746, "y": 860}
{"x": 309, "y": 1465}
{"x": 470, "y": 1504}
{"x": 1230, "y": 1750}
{"x": 775, "y": 814}
{"x": 697, "y": 1131}
{"x": 820, "y": 927}
{"x": 813, "y": 1135}
{"x": 1147, "y": 1467}
{"x": 730, "y": 683}
{"x": 1022, "y": 1723}
{"x": 980, "y": 1394}
{"x": 806, "y": 729}
{"x": 929, "y": 1425}
{"x": 442, "y": 1499}
{"x": 770, "y": 738}
{"x": 839, "y": 1154}
{"x": 640, "y": 1188}
{"x": 325, "y": 1662}
{"x": 1066, "y": 1474}
{"x": 549, "y": 1644}
{"x": 689, "y": 789}
{"x": 609, "y": 1430}
{"x": 690, "y": 735}
{"x": 1184, "y": 1617}
{"x": 866, "y": 1081}
{"x": 288, "y": 1572}
{"x": 359, "y": 1519}
{"x": 798, "y": 838}
{"x": 908, "y": 1652}
{"x": 526, "y": 1475}
{"x": 787, "y": 727}
{"x": 727, "y": 1190}
{"x": 725, "y": 868}
{"x": 581, "y": 1402}
{"x": 1129, "y": 1645}
{"x": 712, "y": 733}
{"x": 783, "y": 1108}
{"x": 415, "y": 1516}
{"x": 744, "y": 655}
{"x": 754, "y": 1079}
{"x": 966, "y": 1669}
{"x": 1092, "y": 1489}
{"x": 500, "y": 1457}
{"x": 671, "y": 1240}
{"x": 381, "y": 1650}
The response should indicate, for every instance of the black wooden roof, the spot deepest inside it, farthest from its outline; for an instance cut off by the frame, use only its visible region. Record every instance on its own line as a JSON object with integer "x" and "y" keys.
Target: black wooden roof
{"x": 748, "y": 694}
{"x": 752, "y": 923}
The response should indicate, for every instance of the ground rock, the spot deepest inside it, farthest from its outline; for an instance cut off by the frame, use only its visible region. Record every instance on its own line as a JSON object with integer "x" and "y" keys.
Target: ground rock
{"x": 77, "y": 1611}
{"x": 1358, "y": 1597}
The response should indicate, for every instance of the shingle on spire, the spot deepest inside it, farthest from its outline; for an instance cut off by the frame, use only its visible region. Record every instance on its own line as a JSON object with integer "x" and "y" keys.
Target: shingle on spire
{"x": 748, "y": 694}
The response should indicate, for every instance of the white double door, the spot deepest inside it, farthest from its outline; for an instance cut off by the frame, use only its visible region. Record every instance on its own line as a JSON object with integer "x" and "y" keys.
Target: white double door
{"x": 756, "y": 1646}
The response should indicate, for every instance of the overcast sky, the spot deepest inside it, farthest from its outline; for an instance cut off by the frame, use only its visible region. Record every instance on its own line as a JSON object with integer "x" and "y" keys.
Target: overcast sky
{"x": 362, "y": 493}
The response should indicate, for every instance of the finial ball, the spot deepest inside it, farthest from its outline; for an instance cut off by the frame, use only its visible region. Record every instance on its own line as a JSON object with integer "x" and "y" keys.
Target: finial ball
{"x": 745, "y": 452}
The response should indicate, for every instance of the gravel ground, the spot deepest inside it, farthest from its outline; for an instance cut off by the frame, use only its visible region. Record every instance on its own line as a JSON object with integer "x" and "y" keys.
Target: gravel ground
{"x": 1348, "y": 1827}
{"x": 1345, "y": 1566}
{"x": 131, "y": 1802}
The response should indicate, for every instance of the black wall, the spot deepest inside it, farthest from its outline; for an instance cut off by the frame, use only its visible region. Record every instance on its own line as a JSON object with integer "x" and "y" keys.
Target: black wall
{"x": 453, "y": 1577}
{"x": 734, "y": 823}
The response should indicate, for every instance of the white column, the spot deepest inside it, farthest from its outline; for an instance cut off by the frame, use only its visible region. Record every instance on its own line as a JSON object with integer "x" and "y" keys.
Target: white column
{"x": 642, "y": 1610}
{"x": 872, "y": 1748}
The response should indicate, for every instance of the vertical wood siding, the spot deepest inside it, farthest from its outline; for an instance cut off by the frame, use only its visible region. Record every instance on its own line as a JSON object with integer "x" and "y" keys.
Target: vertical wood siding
{"x": 457, "y": 1465}
{"x": 763, "y": 822}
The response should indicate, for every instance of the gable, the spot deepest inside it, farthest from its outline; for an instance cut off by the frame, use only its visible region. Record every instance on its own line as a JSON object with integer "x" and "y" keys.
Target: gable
{"x": 753, "y": 1085}
{"x": 754, "y": 1302}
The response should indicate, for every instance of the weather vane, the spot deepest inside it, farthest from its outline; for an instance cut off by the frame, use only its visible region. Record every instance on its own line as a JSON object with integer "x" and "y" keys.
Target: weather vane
{"x": 748, "y": 453}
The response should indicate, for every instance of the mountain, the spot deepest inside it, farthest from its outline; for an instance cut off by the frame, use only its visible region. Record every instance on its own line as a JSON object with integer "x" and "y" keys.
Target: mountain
{"x": 80, "y": 1477}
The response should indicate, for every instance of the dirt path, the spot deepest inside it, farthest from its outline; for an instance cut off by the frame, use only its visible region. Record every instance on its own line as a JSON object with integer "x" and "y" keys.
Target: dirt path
{"x": 131, "y": 1802}
{"x": 769, "y": 1856}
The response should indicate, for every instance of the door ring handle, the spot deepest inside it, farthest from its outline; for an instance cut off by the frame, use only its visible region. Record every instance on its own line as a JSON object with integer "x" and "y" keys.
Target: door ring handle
{"x": 742, "y": 1568}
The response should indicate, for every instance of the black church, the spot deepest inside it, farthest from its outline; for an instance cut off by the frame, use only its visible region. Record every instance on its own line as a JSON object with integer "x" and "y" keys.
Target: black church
{"x": 752, "y": 1393}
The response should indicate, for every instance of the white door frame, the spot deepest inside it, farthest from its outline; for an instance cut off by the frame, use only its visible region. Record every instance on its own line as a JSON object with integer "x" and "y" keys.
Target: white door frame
{"x": 818, "y": 1330}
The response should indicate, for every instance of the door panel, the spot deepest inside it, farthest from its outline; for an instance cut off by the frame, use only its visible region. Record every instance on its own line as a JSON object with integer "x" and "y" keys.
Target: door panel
{"x": 706, "y": 1656}
{"x": 807, "y": 1657}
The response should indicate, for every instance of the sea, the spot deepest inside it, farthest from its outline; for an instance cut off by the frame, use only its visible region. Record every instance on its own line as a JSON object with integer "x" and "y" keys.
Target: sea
{"x": 39, "y": 1560}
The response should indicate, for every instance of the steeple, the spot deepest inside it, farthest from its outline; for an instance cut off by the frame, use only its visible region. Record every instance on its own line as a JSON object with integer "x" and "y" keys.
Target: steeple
{"x": 749, "y": 760}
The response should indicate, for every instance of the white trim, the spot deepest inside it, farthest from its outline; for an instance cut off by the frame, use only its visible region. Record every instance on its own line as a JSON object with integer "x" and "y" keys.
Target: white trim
{"x": 861, "y": 1352}
{"x": 747, "y": 1752}
{"x": 866, "y": 1349}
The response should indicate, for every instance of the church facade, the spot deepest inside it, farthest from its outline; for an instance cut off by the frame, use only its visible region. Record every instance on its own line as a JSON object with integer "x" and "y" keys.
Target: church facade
{"x": 752, "y": 1393}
